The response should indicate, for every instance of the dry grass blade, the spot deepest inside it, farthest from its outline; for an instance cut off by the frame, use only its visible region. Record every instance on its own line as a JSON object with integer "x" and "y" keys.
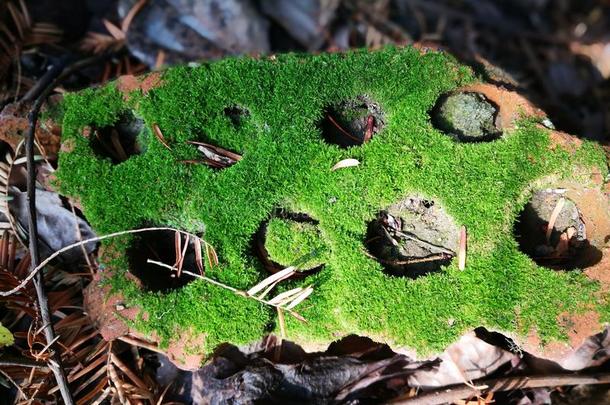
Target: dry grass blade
{"x": 211, "y": 255}
{"x": 199, "y": 258}
{"x": 100, "y": 372}
{"x": 22, "y": 160}
{"x": 282, "y": 322}
{"x": 300, "y": 298}
{"x": 17, "y": 18}
{"x": 241, "y": 293}
{"x": 262, "y": 295}
{"x": 9, "y": 379}
{"x": 340, "y": 128}
{"x": 280, "y": 275}
{"x": 182, "y": 256}
{"x": 177, "y": 247}
{"x": 554, "y": 215}
{"x": 118, "y": 384}
{"x": 345, "y": 163}
{"x": 286, "y": 295}
{"x": 114, "y": 139}
{"x": 100, "y": 399}
{"x": 140, "y": 343}
{"x": 97, "y": 43}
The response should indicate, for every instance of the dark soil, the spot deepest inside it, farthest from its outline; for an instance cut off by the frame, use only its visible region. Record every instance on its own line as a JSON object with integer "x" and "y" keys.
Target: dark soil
{"x": 352, "y": 122}
{"x": 236, "y": 115}
{"x": 120, "y": 141}
{"x": 158, "y": 246}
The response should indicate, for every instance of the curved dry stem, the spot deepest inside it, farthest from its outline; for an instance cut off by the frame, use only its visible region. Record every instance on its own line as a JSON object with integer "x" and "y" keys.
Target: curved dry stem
{"x": 84, "y": 242}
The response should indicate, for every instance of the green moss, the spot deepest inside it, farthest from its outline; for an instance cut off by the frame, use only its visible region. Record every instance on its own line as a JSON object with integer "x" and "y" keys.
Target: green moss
{"x": 6, "y": 337}
{"x": 286, "y": 164}
{"x": 293, "y": 243}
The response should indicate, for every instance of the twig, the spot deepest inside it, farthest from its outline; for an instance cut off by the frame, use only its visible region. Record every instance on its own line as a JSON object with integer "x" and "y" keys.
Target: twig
{"x": 8, "y": 377}
{"x": 8, "y": 361}
{"x": 455, "y": 393}
{"x": 55, "y": 362}
{"x": 136, "y": 342}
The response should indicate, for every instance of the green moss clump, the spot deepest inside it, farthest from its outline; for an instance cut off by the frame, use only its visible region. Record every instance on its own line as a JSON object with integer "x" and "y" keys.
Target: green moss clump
{"x": 286, "y": 163}
{"x": 6, "y": 337}
{"x": 294, "y": 243}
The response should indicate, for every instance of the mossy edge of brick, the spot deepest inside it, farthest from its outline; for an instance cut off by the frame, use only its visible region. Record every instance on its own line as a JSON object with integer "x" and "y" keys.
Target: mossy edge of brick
{"x": 287, "y": 164}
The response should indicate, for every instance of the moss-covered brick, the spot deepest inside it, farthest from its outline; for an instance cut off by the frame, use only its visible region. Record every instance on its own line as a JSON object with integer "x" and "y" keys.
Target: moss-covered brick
{"x": 286, "y": 163}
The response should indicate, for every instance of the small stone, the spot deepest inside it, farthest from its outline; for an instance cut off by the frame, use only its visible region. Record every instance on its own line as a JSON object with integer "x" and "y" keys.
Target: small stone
{"x": 468, "y": 116}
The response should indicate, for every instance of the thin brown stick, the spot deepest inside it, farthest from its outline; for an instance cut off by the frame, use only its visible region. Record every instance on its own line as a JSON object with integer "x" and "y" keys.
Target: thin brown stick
{"x": 55, "y": 361}
{"x": 6, "y": 361}
{"x": 8, "y": 377}
{"x": 123, "y": 367}
{"x": 455, "y": 393}
{"x": 343, "y": 131}
{"x": 140, "y": 343}
{"x": 131, "y": 14}
{"x": 159, "y": 136}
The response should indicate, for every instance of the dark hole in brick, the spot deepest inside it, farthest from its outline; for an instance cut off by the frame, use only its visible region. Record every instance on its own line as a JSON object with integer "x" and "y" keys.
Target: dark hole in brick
{"x": 236, "y": 114}
{"x": 566, "y": 246}
{"x": 159, "y": 246}
{"x": 352, "y": 122}
{"x": 118, "y": 142}
{"x": 467, "y": 117}
{"x": 412, "y": 238}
